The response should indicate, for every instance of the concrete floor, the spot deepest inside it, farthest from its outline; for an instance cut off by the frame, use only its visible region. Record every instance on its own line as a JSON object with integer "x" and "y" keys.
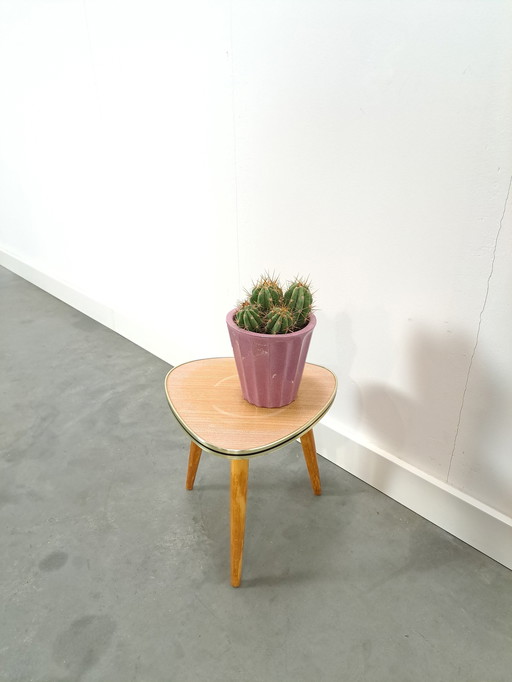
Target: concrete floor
{"x": 110, "y": 571}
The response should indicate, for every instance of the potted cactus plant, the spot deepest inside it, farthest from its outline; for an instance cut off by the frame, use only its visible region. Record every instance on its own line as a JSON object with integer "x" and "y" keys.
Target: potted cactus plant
{"x": 270, "y": 332}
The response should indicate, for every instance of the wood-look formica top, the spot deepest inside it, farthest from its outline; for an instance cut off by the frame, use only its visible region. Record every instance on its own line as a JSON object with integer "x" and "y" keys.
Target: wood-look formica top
{"x": 206, "y": 398}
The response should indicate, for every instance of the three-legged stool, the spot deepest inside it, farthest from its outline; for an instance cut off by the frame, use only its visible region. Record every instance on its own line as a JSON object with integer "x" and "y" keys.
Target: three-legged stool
{"x": 206, "y": 399}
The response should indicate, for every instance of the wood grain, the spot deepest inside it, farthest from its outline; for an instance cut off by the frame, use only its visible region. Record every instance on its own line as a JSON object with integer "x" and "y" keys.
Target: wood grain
{"x": 239, "y": 476}
{"x": 206, "y": 398}
{"x": 193, "y": 462}
{"x": 309, "y": 450}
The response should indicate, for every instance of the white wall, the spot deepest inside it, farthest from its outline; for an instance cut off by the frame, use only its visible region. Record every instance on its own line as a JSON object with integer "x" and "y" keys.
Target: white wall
{"x": 156, "y": 156}
{"x": 117, "y": 172}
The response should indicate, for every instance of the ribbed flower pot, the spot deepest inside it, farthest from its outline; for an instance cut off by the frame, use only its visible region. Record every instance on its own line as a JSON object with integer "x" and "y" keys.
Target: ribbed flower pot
{"x": 270, "y": 366}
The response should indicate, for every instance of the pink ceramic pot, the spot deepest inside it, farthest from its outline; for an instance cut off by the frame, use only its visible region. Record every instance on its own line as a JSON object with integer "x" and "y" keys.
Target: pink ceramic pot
{"x": 270, "y": 366}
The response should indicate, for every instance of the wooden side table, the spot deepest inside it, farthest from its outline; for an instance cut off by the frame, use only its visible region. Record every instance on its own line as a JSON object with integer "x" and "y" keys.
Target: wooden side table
{"x": 205, "y": 398}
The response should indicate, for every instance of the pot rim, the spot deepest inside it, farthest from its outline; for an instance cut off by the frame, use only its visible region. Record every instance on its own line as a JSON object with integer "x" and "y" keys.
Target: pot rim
{"x": 233, "y": 325}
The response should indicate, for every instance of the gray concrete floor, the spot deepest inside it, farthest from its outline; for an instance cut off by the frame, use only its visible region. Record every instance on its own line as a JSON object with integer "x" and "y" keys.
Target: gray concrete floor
{"x": 111, "y": 571}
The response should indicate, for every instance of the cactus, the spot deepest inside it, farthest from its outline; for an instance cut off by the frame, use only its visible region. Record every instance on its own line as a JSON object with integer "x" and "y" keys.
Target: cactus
{"x": 248, "y": 317}
{"x": 299, "y": 299}
{"x": 280, "y": 320}
{"x": 267, "y": 310}
{"x": 267, "y": 293}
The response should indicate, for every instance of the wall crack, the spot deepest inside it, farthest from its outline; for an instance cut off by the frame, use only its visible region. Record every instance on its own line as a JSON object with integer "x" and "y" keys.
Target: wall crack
{"x": 477, "y": 338}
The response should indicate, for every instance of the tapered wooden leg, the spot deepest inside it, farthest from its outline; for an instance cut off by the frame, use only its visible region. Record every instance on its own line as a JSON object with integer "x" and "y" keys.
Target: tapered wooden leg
{"x": 193, "y": 463}
{"x": 239, "y": 475}
{"x": 309, "y": 449}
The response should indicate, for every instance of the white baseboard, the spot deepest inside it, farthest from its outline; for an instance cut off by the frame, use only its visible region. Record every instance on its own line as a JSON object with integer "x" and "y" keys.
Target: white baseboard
{"x": 132, "y": 329}
{"x": 477, "y": 524}
{"x": 480, "y": 526}
{"x": 61, "y": 290}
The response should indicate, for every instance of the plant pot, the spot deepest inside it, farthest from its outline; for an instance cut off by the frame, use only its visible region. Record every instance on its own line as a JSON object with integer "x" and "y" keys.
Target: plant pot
{"x": 269, "y": 366}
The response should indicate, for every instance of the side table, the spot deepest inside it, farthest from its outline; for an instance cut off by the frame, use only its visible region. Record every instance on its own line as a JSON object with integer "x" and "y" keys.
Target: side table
{"x": 205, "y": 398}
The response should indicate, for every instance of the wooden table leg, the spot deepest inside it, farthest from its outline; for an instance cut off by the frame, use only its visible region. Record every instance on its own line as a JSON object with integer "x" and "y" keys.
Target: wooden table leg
{"x": 239, "y": 476}
{"x": 309, "y": 450}
{"x": 193, "y": 463}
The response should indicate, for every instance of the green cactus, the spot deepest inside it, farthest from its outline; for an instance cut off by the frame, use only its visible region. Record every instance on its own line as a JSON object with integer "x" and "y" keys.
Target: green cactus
{"x": 280, "y": 320}
{"x": 299, "y": 299}
{"x": 267, "y": 293}
{"x": 248, "y": 317}
{"x": 266, "y": 310}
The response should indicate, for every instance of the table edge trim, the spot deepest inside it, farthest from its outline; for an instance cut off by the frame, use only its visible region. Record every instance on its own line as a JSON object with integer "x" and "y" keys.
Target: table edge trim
{"x": 251, "y": 452}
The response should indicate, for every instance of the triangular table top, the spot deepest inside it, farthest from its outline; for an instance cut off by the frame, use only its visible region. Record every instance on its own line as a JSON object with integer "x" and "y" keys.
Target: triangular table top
{"x": 206, "y": 399}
